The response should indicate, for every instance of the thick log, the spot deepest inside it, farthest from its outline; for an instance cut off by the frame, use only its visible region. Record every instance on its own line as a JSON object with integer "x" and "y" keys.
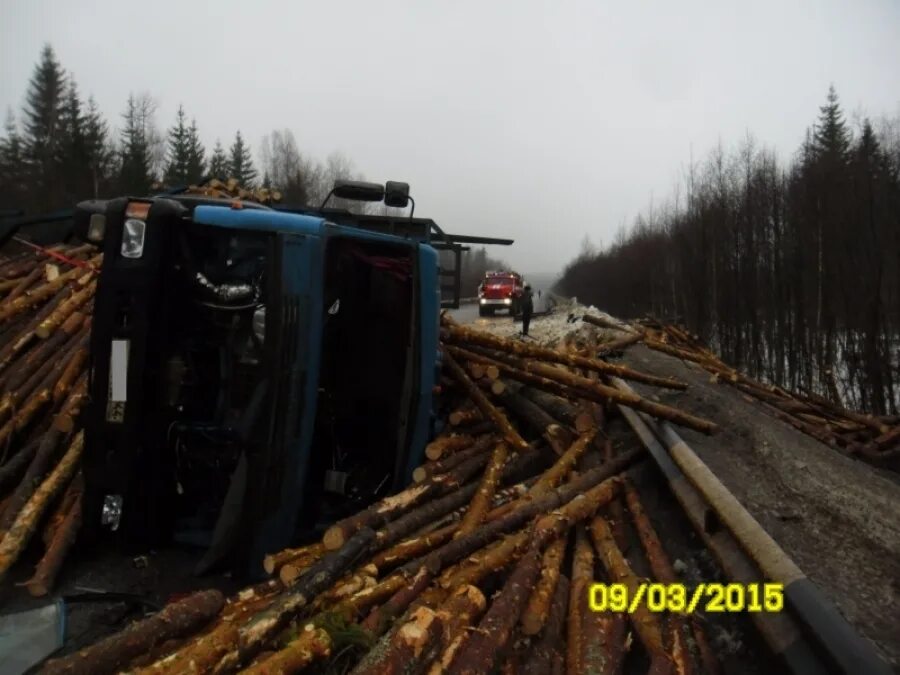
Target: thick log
{"x": 489, "y": 560}
{"x": 605, "y": 643}
{"x": 273, "y": 561}
{"x": 27, "y": 520}
{"x": 487, "y": 408}
{"x": 12, "y": 471}
{"x": 591, "y": 390}
{"x": 484, "y": 495}
{"x": 463, "y": 335}
{"x": 646, "y": 624}
{"x": 260, "y": 629}
{"x": 390, "y": 508}
{"x": 41, "y": 464}
{"x": 203, "y": 652}
{"x": 462, "y": 609}
{"x": 313, "y": 644}
{"x": 407, "y": 644}
{"x": 617, "y": 345}
{"x": 60, "y": 542}
{"x": 447, "y": 445}
{"x": 534, "y": 416}
{"x": 479, "y": 653}
{"x": 48, "y": 351}
{"x": 664, "y": 572}
{"x": 380, "y": 619}
{"x": 539, "y": 604}
{"x": 550, "y": 646}
{"x": 597, "y": 482}
{"x": 111, "y": 654}
{"x": 445, "y": 464}
{"x": 582, "y": 577}
{"x": 562, "y": 410}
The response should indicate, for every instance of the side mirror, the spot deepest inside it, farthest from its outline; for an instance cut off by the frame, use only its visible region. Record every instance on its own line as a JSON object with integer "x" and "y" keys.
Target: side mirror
{"x": 396, "y": 194}
{"x": 358, "y": 190}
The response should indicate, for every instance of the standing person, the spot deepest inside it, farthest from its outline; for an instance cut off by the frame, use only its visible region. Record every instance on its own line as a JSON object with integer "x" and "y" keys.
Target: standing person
{"x": 527, "y": 308}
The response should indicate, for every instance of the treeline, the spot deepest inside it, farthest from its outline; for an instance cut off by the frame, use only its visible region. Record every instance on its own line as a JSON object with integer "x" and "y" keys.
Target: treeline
{"x": 61, "y": 150}
{"x": 791, "y": 272}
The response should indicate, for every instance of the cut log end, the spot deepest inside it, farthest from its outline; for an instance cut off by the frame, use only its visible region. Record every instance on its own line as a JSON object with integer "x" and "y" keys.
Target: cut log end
{"x": 334, "y": 538}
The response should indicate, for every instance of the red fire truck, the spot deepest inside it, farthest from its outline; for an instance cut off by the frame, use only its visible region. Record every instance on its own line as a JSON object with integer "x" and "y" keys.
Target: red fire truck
{"x": 500, "y": 290}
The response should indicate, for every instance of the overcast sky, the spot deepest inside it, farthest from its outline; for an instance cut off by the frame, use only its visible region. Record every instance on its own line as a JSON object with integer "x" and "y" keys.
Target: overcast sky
{"x": 542, "y": 121}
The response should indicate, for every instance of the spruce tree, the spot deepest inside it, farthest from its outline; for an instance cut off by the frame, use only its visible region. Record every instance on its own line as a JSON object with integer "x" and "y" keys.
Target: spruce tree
{"x": 12, "y": 175}
{"x": 96, "y": 141}
{"x": 72, "y": 156}
{"x": 176, "y": 172}
{"x": 41, "y": 123}
{"x": 196, "y": 154}
{"x": 241, "y": 163}
{"x": 218, "y": 163}
{"x": 135, "y": 172}
{"x": 831, "y": 140}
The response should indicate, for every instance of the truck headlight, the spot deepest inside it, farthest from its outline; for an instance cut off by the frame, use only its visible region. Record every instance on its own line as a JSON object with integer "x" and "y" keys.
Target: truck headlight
{"x": 133, "y": 238}
{"x": 507, "y": 301}
{"x": 483, "y": 301}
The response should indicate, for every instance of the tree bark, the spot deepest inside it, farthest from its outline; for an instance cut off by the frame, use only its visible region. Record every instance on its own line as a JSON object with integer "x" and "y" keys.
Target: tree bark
{"x": 313, "y": 644}
{"x": 582, "y": 577}
{"x": 550, "y": 646}
{"x": 464, "y": 335}
{"x": 538, "y": 609}
{"x": 39, "y": 467}
{"x": 59, "y": 541}
{"x": 173, "y": 621}
{"x": 445, "y": 464}
{"x": 484, "y": 495}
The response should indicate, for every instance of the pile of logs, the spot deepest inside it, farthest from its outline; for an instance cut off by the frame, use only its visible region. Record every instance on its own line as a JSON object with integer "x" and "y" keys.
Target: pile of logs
{"x": 46, "y": 297}
{"x": 483, "y": 564}
{"x": 873, "y": 439}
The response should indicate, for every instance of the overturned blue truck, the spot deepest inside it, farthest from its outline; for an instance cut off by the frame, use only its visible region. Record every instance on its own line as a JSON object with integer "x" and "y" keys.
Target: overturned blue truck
{"x": 258, "y": 372}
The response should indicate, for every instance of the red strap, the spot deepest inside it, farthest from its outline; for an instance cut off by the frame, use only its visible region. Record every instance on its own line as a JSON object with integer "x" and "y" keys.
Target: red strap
{"x": 58, "y": 256}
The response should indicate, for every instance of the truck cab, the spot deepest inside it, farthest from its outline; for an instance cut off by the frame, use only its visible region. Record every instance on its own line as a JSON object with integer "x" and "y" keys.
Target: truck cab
{"x": 255, "y": 373}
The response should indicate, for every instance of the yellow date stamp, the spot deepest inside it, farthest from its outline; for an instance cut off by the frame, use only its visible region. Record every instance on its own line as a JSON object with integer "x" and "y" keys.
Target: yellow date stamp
{"x": 679, "y": 599}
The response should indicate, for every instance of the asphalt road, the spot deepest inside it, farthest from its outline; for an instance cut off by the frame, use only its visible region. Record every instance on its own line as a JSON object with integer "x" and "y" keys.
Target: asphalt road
{"x": 469, "y": 313}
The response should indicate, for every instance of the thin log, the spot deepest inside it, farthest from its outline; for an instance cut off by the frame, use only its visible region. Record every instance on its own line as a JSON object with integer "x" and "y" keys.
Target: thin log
{"x": 259, "y": 630}
{"x": 38, "y": 295}
{"x": 50, "y": 324}
{"x": 539, "y": 604}
{"x": 12, "y": 471}
{"x": 596, "y": 483}
{"x": 73, "y": 369}
{"x": 487, "y": 408}
{"x": 313, "y": 644}
{"x": 647, "y": 625}
{"x": 44, "y": 458}
{"x": 390, "y": 508}
{"x": 465, "y": 416}
{"x": 25, "y": 335}
{"x": 273, "y": 561}
{"x": 464, "y": 335}
{"x": 591, "y": 390}
{"x": 484, "y": 495}
{"x": 61, "y": 541}
{"x": 534, "y": 416}
{"x": 381, "y": 618}
{"x": 445, "y": 464}
{"x": 558, "y": 472}
{"x": 664, "y": 572}
{"x": 582, "y": 577}
{"x": 549, "y": 648}
{"x": 602, "y": 322}
{"x": 448, "y": 445}
{"x": 27, "y": 520}
{"x": 71, "y": 408}
{"x": 617, "y": 345}
{"x": 175, "y": 620}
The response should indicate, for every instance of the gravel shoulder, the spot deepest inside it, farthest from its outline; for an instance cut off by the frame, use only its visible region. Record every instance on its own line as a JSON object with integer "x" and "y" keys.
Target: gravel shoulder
{"x": 839, "y": 519}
